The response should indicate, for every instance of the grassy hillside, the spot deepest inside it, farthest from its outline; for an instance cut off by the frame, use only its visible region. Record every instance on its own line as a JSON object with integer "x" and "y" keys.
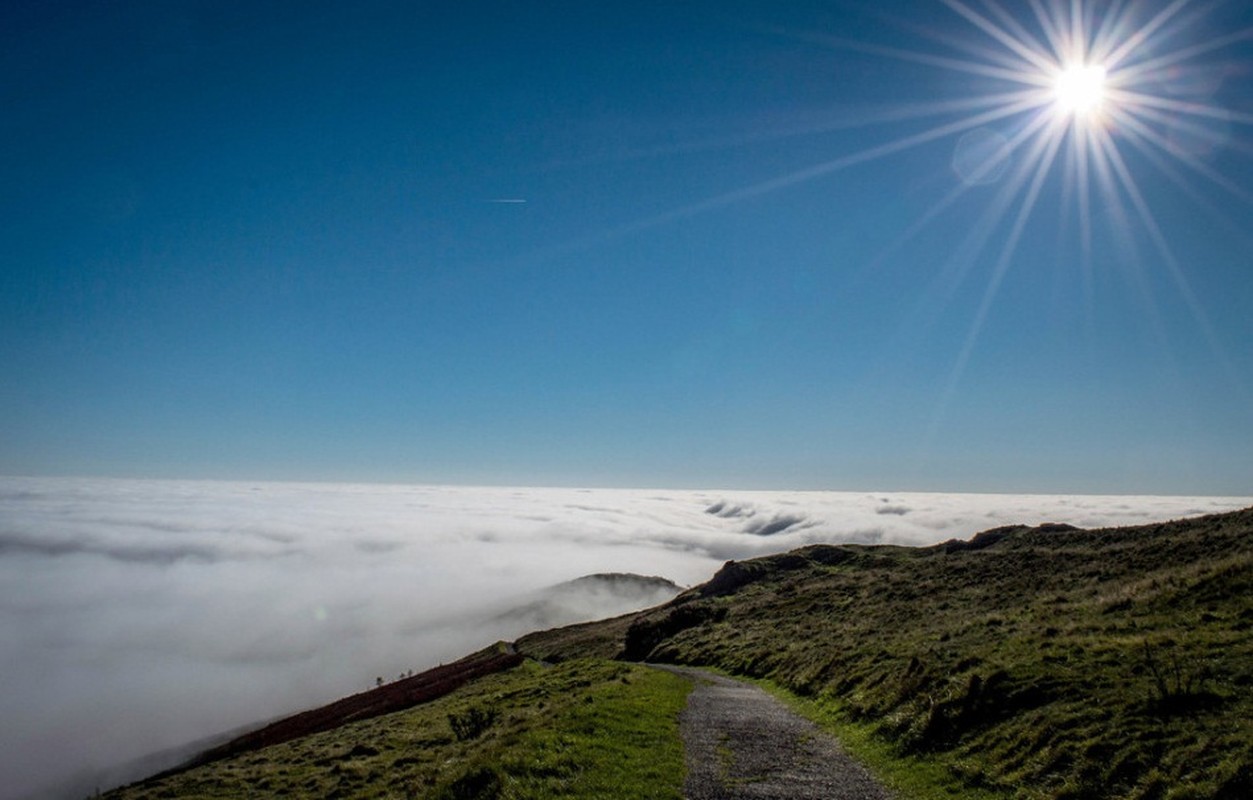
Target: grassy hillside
{"x": 1036, "y": 662}
{"x": 385, "y": 699}
{"x": 1031, "y": 663}
{"x": 579, "y": 729}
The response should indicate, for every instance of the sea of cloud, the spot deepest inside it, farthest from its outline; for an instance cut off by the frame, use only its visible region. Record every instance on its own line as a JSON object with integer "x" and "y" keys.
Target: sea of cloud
{"x": 136, "y": 616}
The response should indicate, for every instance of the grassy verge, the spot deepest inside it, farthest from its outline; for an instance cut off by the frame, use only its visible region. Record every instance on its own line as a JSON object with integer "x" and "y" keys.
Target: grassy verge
{"x": 911, "y": 777}
{"x": 582, "y": 729}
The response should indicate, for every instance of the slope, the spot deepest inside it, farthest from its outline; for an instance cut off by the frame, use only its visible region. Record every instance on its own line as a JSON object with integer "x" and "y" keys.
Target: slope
{"x": 1043, "y": 662}
{"x": 1036, "y": 662}
{"x": 579, "y": 729}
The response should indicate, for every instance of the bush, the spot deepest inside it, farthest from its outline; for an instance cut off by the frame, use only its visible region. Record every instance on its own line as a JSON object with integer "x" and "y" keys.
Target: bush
{"x": 472, "y": 723}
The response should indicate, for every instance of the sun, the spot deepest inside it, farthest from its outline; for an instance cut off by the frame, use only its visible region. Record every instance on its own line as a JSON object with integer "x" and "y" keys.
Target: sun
{"x": 1066, "y": 99}
{"x": 1079, "y": 91}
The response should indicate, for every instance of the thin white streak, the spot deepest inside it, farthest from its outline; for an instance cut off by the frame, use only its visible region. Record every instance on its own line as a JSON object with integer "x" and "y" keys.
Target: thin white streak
{"x": 904, "y": 113}
{"x": 1054, "y": 35}
{"x": 1129, "y": 98}
{"x": 1038, "y": 163}
{"x": 1046, "y": 152}
{"x": 1107, "y": 151}
{"x": 922, "y": 110}
{"x": 976, "y": 239}
{"x": 1164, "y": 250}
{"x": 1078, "y": 179}
{"x": 1142, "y": 70}
{"x": 947, "y": 201}
{"x": 1049, "y": 144}
{"x": 994, "y": 55}
{"x": 1023, "y": 76}
{"x": 1122, "y": 226}
{"x": 1152, "y": 151}
{"x": 816, "y": 171}
{"x": 1078, "y": 35}
{"x": 1128, "y": 121}
{"x": 1138, "y": 38}
{"x": 1149, "y": 151}
{"x": 1085, "y": 214}
{"x": 998, "y": 33}
{"x": 1014, "y": 27}
{"x": 1107, "y": 33}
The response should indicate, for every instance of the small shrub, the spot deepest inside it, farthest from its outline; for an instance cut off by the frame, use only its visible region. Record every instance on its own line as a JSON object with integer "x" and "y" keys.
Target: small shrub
{"x": 1179, "y": 684}
{"x": 472, "y": 723}
{"x": 482, "y": 783}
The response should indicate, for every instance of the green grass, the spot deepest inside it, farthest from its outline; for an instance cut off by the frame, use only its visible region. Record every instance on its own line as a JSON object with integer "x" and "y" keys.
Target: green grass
{"x": 582, "y": 729}
{"x": 911, "y": 777}
{"x": 1043, "y": 664}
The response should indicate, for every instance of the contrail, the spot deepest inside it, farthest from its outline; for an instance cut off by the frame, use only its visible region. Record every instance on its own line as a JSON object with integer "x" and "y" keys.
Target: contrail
{"x": 507, "y": 200}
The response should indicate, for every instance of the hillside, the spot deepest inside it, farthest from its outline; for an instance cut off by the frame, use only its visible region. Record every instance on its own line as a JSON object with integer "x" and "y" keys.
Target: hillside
{"x": 1042, "y": 662}
{"x": 580, "y": 729}
{"x": 386, "y": 698}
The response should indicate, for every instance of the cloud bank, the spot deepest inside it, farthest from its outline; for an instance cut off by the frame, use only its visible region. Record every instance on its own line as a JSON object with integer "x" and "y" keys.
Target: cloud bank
{"x": 136, "y": 616}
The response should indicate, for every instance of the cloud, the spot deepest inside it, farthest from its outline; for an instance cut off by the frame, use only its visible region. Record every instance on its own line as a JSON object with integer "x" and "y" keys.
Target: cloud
{"x": 17, "y": 544}
{"x": 176, "y": 610}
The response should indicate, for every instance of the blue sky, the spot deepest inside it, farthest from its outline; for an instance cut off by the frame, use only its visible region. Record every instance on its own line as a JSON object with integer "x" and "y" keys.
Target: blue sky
{"x": 264, "y": 242}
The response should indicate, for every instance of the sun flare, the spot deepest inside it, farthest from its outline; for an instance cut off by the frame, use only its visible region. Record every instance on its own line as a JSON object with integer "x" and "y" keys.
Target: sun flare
{"x": 1079, "y": 90}
{"x": 1076, "y": 100}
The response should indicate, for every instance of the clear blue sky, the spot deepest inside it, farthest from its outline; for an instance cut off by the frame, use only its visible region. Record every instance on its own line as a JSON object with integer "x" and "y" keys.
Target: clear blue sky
{"x": 243, "y": 240}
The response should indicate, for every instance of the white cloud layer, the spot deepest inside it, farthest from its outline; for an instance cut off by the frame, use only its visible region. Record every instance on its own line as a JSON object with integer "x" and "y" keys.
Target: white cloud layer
{"x": 140, "y": 615}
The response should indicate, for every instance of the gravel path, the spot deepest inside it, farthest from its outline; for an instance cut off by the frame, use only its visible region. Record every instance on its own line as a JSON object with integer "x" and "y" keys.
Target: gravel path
{"x": 742, "y": 743}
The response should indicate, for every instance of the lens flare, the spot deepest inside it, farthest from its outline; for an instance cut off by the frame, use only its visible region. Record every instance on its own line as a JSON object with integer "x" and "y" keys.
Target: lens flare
{"x": 1082, "y": 95}
{"x": 1067, "y": 99}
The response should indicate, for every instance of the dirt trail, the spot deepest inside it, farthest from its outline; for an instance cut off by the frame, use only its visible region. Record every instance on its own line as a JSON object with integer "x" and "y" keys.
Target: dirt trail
{"x": 741, "y": 743}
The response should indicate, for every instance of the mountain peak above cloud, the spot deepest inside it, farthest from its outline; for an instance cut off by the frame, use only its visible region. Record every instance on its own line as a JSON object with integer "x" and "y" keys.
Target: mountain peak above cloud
{"x": 596, "y": 596}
